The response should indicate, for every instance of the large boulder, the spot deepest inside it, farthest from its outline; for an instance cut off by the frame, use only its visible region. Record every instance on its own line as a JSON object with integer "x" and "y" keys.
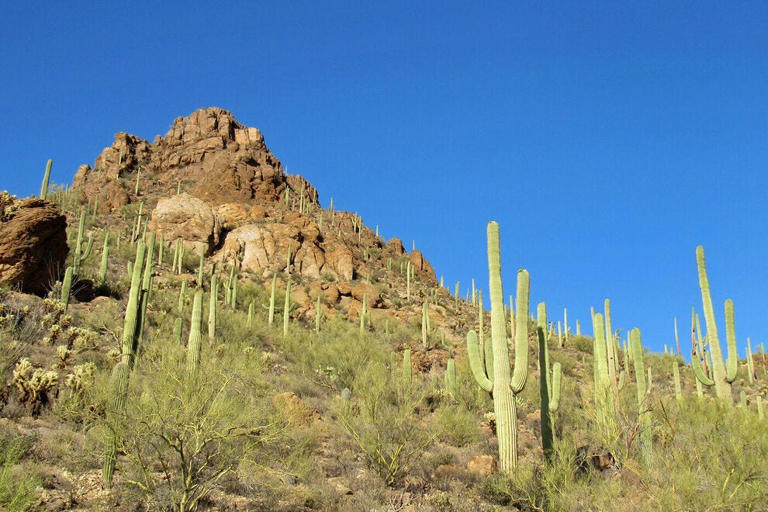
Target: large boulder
{"x": 265, "y": 248}
{"x": 33, "y": 243}
{"x": 187, "y": 217}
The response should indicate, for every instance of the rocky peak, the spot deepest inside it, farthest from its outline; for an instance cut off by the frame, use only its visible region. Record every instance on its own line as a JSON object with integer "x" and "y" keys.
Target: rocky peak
{"x": 207, "y": 154}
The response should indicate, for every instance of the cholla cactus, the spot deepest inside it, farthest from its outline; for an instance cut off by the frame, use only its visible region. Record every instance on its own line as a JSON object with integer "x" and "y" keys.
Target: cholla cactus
{"x": 81, "y": 378}
{"x": 63, "y": 353}
{"x": 33, "y": 384}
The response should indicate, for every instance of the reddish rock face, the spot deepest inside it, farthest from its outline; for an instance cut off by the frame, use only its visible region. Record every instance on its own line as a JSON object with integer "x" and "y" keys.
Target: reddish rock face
{"x": 33, "y": 243}
{"x": 212, "y": 182}
{"x": 214, "y": 157}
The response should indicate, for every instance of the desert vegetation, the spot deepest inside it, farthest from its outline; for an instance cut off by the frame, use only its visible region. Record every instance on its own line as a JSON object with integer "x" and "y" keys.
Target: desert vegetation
{"x": 156, "y": 376}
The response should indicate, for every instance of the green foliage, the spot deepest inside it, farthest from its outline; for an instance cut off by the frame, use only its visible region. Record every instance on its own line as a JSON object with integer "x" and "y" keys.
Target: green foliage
{"x": 17, "y": 488}
{"x": 386, "y": 424}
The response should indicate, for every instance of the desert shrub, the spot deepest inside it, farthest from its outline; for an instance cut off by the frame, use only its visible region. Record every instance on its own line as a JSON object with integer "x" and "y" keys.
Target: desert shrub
{"x": 384, "y": 421}
{"x": 456, "y": 425}
{"x": 196, "y": 428}
{"x": 17, "y": 488}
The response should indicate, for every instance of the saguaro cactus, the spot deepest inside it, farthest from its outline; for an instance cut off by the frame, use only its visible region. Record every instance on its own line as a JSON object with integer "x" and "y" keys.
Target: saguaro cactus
{"x": 549, "y": 388}
{"x": 212, "y": 308}
{"x": 636, "y": 347}
{"x": 131, "y": 323}
{"x": 503, "y": 386}
{"x": 118, "y": 393}
{"x": 287, "y": 308}
{"x": 46, "y": 177}
{"x": 676, "y": 377}
{"x": 195, "y": 337}
{"x": 722, "y": 379}
{"x": 104, "y": 259}
{"x": 450, "y": 377}
{"x": 272, "y": 299}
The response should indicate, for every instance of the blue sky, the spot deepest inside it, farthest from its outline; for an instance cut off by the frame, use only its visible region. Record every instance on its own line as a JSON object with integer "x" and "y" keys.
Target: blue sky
{"x": 607, "y": 139}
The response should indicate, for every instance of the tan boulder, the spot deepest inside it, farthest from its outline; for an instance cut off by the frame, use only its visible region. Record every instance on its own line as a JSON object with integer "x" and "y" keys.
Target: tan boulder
{"x": 367, "y": 290}
{"x": 266, "y": 247}
{"x": 481, "y": 466}
{"x": 341, "y": 260}
{"x": 331, "y": 294}
{"x": 33, "y": 243}
{"x": 186, "y": 217}
{"x": 232, "y": 215}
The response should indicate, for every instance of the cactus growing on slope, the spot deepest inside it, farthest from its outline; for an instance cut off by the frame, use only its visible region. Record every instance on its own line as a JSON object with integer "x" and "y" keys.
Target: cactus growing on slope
{"x": 722, "y": 378}
{"x": 549, "y": 387}
{"x": 46, "y": 178}
{"x": 503, "y": 386}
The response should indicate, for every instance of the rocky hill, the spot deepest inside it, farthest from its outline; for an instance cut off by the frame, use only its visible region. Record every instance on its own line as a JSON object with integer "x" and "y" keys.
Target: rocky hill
{"x": 186, "y": 328}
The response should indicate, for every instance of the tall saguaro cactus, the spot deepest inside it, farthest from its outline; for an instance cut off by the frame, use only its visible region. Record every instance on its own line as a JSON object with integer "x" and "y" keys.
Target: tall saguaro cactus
{"x": 549, "y": 387}
{"x": 721, "y": 377}
{"x": 503, "y": 385}
{"x": 195, "y": 336}
{"x": 636, "y": 347}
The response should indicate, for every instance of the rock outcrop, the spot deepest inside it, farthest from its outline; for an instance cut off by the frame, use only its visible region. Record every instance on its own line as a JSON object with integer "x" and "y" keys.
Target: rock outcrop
{"x": 212, "y": 182}
{"x": 33, "y": 243}
{"x": 187, "y": 217}
{"x": 208, "y": 154}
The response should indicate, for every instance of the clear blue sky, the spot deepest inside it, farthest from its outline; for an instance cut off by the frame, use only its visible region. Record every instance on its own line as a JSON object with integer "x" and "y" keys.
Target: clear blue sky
{"x": 608, "y": 139}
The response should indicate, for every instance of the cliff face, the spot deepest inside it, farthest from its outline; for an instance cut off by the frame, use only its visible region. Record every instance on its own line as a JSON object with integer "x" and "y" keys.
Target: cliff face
{"x": 214, "y": 157}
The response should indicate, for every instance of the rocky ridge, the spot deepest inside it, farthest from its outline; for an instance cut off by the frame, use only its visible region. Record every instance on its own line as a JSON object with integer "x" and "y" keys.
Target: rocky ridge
{"x": 213, "y": 183}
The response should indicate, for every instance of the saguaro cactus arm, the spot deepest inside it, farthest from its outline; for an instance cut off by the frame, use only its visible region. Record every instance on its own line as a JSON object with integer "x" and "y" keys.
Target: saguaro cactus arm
{"x": 476, "y": 364}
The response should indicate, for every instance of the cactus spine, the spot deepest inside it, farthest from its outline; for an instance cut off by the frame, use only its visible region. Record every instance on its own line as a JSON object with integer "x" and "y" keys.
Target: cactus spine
{"x": 195, "y": 337}
{"x": 46, "y": 177}
{"x": 549, "y": 388}
{"x": 721, "y": 377}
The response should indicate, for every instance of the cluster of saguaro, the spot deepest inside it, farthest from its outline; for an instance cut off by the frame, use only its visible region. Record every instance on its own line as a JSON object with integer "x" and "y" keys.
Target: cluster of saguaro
{"x": 723, "y": 374}
{"x": 549, "y": 386}
{"x": 605, "y": 403}
{"x": 503, "y": 386}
